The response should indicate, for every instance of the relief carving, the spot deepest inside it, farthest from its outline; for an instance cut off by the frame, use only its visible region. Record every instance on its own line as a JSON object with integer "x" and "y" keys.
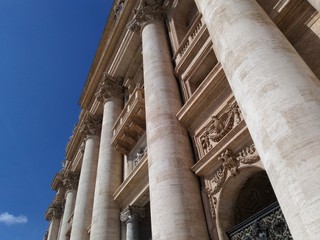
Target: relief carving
{"x": 219, "y": 126}
{"x": 70, "y": 181}
{"x": 91, "y": 125}
{"x": 248, "y": 155}
{"x": 54, "y": 211}
{"x": 149, "y": 10}
{"x": 132, "y": 213}
{"x": 230, "y": 167}
{"x": 110, "y": 87}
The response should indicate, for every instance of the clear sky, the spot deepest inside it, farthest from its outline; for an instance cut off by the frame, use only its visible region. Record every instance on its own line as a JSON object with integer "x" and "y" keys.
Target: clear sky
{"x": 46, "y": 51}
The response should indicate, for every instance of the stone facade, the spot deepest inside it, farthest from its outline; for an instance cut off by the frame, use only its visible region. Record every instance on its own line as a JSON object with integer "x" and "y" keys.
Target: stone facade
{"x": 200, "y": 120}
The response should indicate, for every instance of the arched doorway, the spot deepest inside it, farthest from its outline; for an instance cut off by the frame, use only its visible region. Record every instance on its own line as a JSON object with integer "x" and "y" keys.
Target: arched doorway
{"x": 256, "y": 212}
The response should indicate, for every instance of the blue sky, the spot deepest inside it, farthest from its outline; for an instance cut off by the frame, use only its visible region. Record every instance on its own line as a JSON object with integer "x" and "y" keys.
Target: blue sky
{"x": 46, "y": 49}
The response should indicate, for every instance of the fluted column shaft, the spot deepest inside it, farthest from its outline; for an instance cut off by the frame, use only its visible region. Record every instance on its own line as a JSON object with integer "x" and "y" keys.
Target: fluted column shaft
{"x": 280, "y": 100}
{"x": 105, "y": 220}
{"x": 70, "y": 199}
{"x": 84, "y": 202}
{"x": 176, "y": 207}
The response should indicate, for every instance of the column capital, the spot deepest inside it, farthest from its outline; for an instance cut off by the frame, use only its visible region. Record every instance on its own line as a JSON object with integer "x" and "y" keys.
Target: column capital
{"x": 110, "y": 87}
{"x": 91, "y": 125}
{"x": 54, "y": 211}
{"x": 148, "y": 11}
{"x": 132, "y": 213}
{"x": 70, "y": 181}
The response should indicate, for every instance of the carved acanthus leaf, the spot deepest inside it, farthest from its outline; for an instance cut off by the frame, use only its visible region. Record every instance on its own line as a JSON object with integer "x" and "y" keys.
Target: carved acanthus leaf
{"x": 132, "y": 213}
{"x": 149, "y": 10}
{"x": 110, "y": 87}
{"x": 54, "y": 211}
{"x": 91, "y": 125}
{"x": 70, "y": 181}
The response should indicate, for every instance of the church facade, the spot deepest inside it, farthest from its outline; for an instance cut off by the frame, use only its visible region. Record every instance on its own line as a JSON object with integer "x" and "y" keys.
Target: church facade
{"x": 200, "y": 120}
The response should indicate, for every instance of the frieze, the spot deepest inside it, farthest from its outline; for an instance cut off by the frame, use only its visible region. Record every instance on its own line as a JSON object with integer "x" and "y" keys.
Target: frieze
{"x": 110, "y": 87}
{"x": 229, "y": 167}
{"x": 219, "y": 126}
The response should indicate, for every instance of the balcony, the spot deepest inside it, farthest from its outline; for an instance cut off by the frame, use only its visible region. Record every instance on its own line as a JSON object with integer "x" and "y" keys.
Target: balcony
{"x": 266, "y": 224}
{"x": 131, "y": 123}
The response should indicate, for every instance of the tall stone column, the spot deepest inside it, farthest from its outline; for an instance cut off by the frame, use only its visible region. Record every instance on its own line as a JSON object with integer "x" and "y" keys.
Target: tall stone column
{"x": 176, "y": 206}
{"x": 280, "y": 100}
{"x": 132, "y": 216}
{"x": 105, "y": 220}
{"x": 84, "y": 201}
{"x": 54, "y": 215}
{"x": 70, "y": 182}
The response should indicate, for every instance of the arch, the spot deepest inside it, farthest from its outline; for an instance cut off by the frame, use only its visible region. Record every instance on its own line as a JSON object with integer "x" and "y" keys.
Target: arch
{"x": 228, "y": 197}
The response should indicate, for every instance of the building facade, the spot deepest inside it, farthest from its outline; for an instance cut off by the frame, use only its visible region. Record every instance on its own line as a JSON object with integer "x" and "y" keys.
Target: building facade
{"x": 200, "y": 120}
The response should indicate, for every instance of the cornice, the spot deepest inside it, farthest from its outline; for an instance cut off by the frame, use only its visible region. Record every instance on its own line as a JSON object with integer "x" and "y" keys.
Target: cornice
{"x": 57, "y": 181}
{"x": 108, "y": 44}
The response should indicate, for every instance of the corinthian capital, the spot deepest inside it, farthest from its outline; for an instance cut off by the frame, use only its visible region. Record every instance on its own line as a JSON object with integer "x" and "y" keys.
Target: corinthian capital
{"x": 132, "y": 213}
{"x": 110, "y": 87}
{"x": 91, "y": 125}
{"x": 54, "y": 211}
{"x": 148, "y": 11}
{"x": 70, "y": 181}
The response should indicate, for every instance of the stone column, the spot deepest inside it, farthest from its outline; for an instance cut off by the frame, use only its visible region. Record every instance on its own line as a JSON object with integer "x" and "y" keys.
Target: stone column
{"x": 315, "y": 4}
{"x": 176, "y": 206}
{"x": 84, "y": 202}
{"x": 105, "y": 220}
{"x": 54, "y": 215}
{"x": 280, "y": 100}
{"x": 132, "y": 216}
{"x": 70, "y": 182}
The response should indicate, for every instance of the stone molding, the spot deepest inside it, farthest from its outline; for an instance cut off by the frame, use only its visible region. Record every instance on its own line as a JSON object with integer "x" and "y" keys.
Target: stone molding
{"x": 148, "y": 11}
{"x": 54, "y": 211}
{"x": 132, "y": 213}
{"x": 70, "y": 181}
{"x": 230, "y": 167}
{"x": 91, "y": 125}
{"x": 219, "y": 126}
{"x": 110, "y": 87}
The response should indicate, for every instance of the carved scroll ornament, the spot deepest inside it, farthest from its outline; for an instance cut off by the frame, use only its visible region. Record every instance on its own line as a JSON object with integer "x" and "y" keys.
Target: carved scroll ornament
{"x": 70, "y": 181}
{"x": 149, "y": 10}
{"x": 230, "y": 167}
{"x": 54, "y": 211}
{"x": 219, "y": 126}
{"x": 132, "y": 213}
{"x": 110, "y": 87}
{"x": 91, "y": 125}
